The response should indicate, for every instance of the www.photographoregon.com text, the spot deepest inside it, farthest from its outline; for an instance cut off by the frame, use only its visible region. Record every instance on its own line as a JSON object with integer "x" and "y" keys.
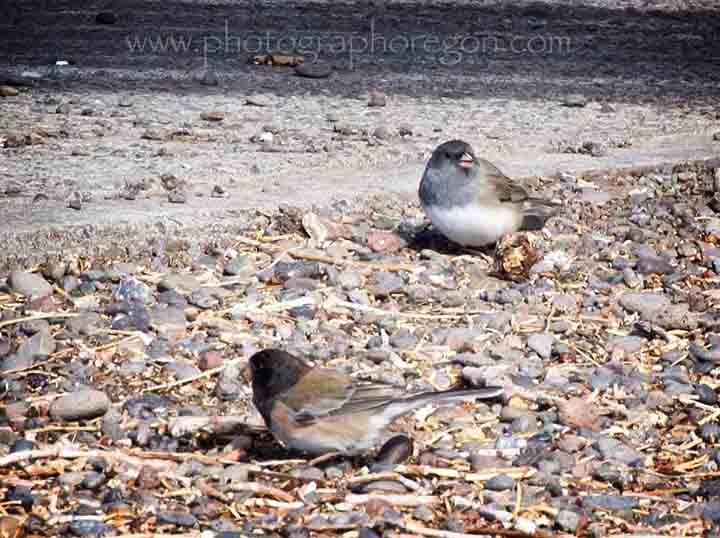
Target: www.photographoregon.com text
{"x": 448, "y": 50}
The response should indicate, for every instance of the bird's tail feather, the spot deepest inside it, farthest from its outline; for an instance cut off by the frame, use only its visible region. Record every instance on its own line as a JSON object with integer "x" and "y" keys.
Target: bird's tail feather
{"x": 537, "y": 212}
{"x": 402, "y": 406}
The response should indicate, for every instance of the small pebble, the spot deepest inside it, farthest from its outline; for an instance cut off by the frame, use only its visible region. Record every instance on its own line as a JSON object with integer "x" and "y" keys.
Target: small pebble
{"x": 500, "y": 482}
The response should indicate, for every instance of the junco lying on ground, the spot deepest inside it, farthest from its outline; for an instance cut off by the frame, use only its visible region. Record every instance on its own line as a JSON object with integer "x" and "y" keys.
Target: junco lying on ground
{"x": 321, "y": 410}
{"x": 472, "y": 202}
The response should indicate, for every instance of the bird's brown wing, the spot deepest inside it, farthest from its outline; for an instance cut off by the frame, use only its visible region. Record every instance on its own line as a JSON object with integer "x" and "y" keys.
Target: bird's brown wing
{"x": 334, "y": 393}
{"x": 507, "y": 189}
{"x": 369, "y": 395}
{"x": 319, "y": 392}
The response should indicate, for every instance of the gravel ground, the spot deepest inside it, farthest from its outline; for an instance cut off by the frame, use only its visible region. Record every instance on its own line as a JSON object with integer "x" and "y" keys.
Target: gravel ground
{"x": 126, "y": 410}
{"x": 168, "y": 213}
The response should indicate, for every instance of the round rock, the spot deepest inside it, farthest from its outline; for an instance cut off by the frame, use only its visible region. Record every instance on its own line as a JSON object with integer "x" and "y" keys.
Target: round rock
{"x": 541, "y": 343}
{"x": 84, "y": 404}
{"x": 313, "y": 70}
{"x": 500, "y": 482}
{"x": 29, "y": 284}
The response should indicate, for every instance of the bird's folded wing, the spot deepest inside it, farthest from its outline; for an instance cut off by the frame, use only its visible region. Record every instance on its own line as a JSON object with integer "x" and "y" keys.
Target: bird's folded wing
{"x": 508, "y": 190}
{"x": 319, "y": 392}
{"x": 334, "y": 393}
{"x": 369, "y": 395}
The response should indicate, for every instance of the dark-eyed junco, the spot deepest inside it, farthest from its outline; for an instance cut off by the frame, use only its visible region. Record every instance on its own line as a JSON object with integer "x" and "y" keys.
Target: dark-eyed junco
{"x": 321, "y": 410}
{"x": 472, "y": 202}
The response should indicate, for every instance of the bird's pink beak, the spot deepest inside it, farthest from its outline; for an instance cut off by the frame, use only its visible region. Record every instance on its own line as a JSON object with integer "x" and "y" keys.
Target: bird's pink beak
{"x": 466, "y": 161}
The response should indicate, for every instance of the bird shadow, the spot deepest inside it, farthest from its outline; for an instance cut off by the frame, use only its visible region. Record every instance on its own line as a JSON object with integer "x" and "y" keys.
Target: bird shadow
{"x": 396, "y": 449}
{"x": 268, "y": 450}
{"x": 427, "y": 238}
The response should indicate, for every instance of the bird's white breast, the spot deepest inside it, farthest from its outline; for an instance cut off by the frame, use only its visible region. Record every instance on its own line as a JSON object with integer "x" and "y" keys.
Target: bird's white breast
{"x": 475, "y": 225}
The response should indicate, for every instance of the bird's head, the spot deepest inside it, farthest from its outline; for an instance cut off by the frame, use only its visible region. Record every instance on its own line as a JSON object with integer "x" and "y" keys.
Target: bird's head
{"x": 455, "y": 153}
{"x": 274, "y": 371}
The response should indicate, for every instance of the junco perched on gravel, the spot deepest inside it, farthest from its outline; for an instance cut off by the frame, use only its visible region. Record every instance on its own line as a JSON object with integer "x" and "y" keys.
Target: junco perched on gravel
{"x": 321, "y": 410}
{"x": 472, "y": 202}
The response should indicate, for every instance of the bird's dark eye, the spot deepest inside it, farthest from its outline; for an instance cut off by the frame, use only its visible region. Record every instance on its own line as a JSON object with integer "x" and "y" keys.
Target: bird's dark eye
{"x": 448, "y": 155}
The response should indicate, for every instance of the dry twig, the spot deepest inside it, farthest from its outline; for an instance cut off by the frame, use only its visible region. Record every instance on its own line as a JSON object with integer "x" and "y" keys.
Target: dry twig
{"x": 52, "y": 315}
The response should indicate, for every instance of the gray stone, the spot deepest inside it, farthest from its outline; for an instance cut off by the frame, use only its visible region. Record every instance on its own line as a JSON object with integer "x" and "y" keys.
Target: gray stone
{"x": 16, "y": 362}
{"x": 403, "y": 339}
{"x": 349, "y": 280}
{"x": 677, "y": 316}
{"x": 645, "y": 304}
{"x": 567, "y": 520}
{"x": 133, "y": 290}
{"x": 500, "y": 321}
{"x": 177, "y": 518}
{"x": 132, "y": 367}
{"x": 596, "y": 149}
{"x": 673, "y": 388}
{"x": 93, "y": 480}
{"x": 235, "y": 473}
{"x": 532, "y": 367}
{"x": 309, "y": 473}
{"x": 603, "y": 379}
{"x": 383, "y": 284}
{"x": 203, "y": 298}
{"x": 654, "y": 265}
{"x": 177, "y": 197}
{"x": 94, "y": 275}
{"x": 314, "y": 70}
{"x": 90, "y": 528}
{"x": 382, "y": 132}
{"x": 172, "y": 298}
{"x": 29, "y": 284}
{"x": 706, "y": 394}
{"x": 678, "y": 373}
{"x": 617, "y": 475}
{"x": 134, "y": 317}
{"x": 575, "y": 100}
{"x": 37, "y": 347}
{"x": 595, "y": 197}
{"x": 524, "y": 424}
{"x": 168, "y": 315}
{"x": 481, "y": 376}
{"x": 85, "y": 324}
{"x": 71, "y": 479}
{"x": 508, "y": 296}
{"x": 423, "y": 513}
{"x": 541, "y": 343}
{"x": 614, "y": 450}
{"x": 627, "y": 344}
{"x": 711, "y": 510}
{"x": 549, "y": 467}
{"x": 610, "y": 502}
{"x": 85, "y": 404}
{"x": 631, "y": 278}
{"x": 500, "y": 482}
{"x": 70, "y": 283}
{"x": 238, "y": 266}
{"x": 556, "y": 377}
{"x": 386, "y": 486}
{"x": 230, "y": 384}
{"x": 571, "y": 444}
{"x": 182, "y": 283}
{"x": 182, "y": 370}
